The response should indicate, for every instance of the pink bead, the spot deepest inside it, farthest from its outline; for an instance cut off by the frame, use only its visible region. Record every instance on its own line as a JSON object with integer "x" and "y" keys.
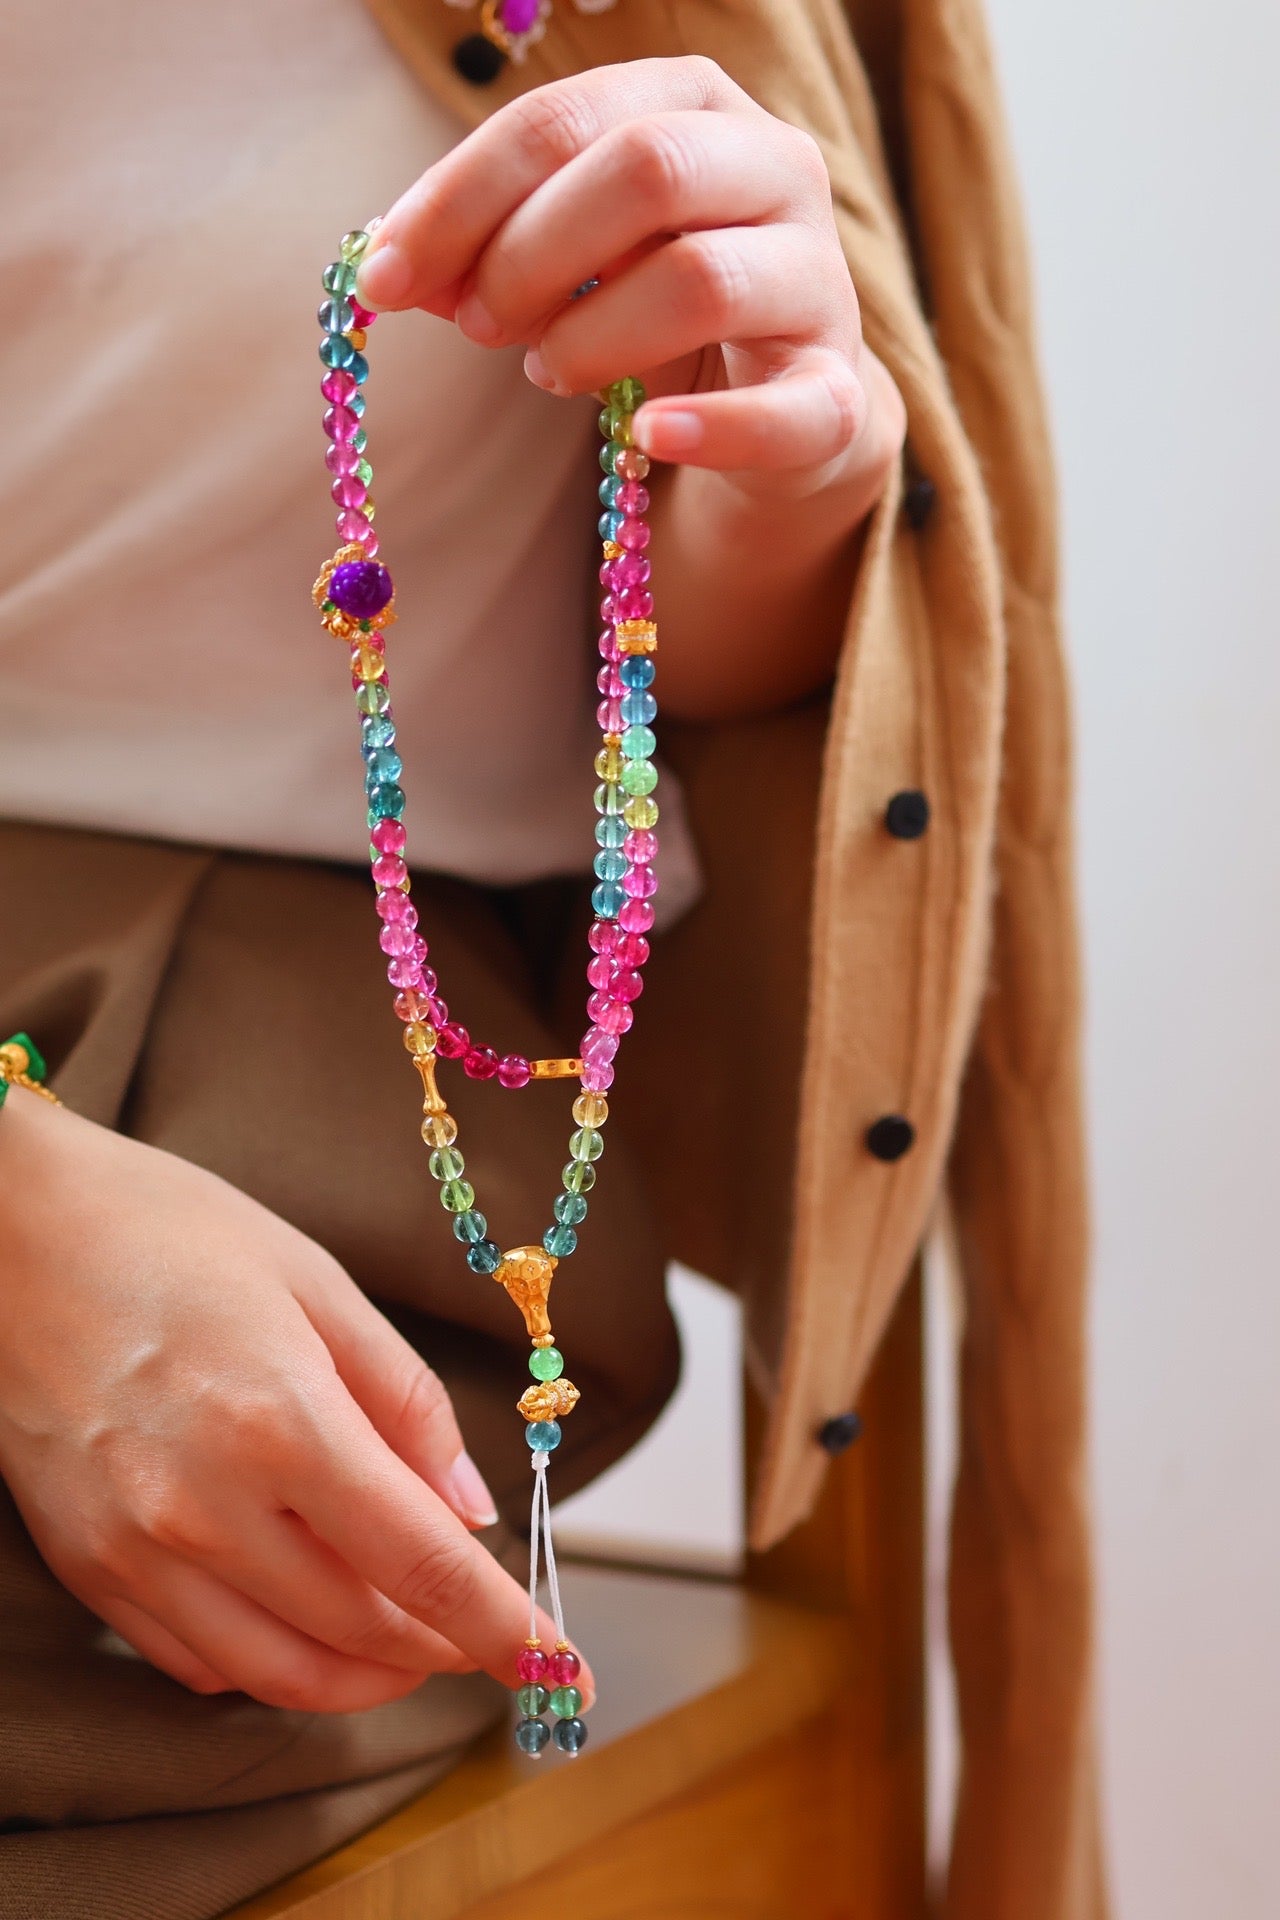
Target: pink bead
{"x": 632, "y": 950}
{"x": 438, "y": 1011}
{"x": 341, "y": 424}
{"x": 532, "y": 1666}
{"x": 565, "y": 1668}
{"x": 429, "y": 985}
{"x": 640, "y": 846}
{"x": 626, "y": 987}
{"x": 514, "y": 1071}
{"x": 610, "y": 683}
{"x": 419, "y": 948}
{"x": 604, "y": 936}
{"x": 609, "y": 648}
{"x": 338, "y": 385}
{"x": 636, "y": 916}
{"x": 354, "y": 526}
{"x": 634, "y": 603}
{"x": 388, "y": 836}
{"x": 454, "y": 1041}
{"x": 348, "y": 491}
{"x": 598, "y": 1047}
{"x": 411, "y": 1005}
{"x": 633, "y": 535}
{"x": 600, "y": 970}
{"x": 480, "y": 1063}
{"x": 397, "y": 909}
{"x": 609, "y": 715}
{"x": 341, "y": 459}
{"x": 361, "y": 315}
{"x": 609, "y": 614}
{"x": 631, "y": 571}
{"x": 597, "y": 1077}
{"x": 612, "y": 1016}
{"x": 404, "y": 971}
{"x": 389, "y": 870}
{"x": 640, "y": 883}
{"x": 632, "y": 498}
{"x": 396, "y": 938}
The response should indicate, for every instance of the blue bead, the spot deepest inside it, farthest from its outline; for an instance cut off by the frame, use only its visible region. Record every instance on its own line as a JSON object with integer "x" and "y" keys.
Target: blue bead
{"x": 376, "y": 731}
{"x": 638, "y": 708}
{"x": 543, "y": 1435}
{"x": 611, "y": 831}
{"x": 560, "y": 1241}
{"x": 356, "y": 403}
{"x": 470, "y": 1227}
{"x": 607, "y": 900}
{"x": 383, "y": 764}
{"x": 570, "y": 1209}
{"x": 357, "y": 366}
{"x": 635, "y": 670}
{"x": 336, "y": 350}
{"x": 610, "y": 863}
{"x": 335, "y": 316}
{"x": 610, "y": 798}
{"x": 608, "y": 454}
{"x": 386, "y": 803}
{"x": 571, "y": 1735}
{"x": 484, "y": 1257}
{"x": 533, "y": 1735}
{"x": 609, "y": 491}
{"x": 609, "y": 525}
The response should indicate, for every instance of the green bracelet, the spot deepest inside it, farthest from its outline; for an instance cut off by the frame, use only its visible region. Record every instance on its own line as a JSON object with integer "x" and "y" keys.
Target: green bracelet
{"x": 22, "y": 1065}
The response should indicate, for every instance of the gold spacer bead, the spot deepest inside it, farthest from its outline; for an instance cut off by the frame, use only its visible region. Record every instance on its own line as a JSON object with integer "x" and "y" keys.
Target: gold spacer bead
{"x": 358, "y": 338}
{"x": 555, "y": 1069}
{"x": 14, "y": 1059}
{"x": 544, "y": 1339}
{"x": 562, "y": 1646}
{"x": 637, "y": 636}
{"x": 533, "y": 1644}
{"x": 612, "y": 551}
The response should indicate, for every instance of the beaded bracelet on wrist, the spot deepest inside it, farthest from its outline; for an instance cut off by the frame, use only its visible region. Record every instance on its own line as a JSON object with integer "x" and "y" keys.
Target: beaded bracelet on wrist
{"x": 356, "y": 600}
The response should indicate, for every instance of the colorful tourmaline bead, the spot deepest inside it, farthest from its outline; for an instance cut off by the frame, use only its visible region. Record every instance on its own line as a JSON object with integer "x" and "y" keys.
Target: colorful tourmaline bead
{"x": 532, "y": 1736}
{"x": 564, "y": 1667}
{"x": 532, "y": 1701}
{"x": 543, "y": 1436}
{"x": 546, "y": 1363}
{"x": 570, "y": 1735}
{"x": 565, "y": 1702}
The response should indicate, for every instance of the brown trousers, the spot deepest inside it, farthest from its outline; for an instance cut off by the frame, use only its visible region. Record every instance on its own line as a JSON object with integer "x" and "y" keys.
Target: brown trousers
{"x": 233, "y": 1010}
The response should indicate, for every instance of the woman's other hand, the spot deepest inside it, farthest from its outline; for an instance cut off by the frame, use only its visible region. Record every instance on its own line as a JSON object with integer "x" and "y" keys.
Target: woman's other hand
{"x": 220, "y": 1445}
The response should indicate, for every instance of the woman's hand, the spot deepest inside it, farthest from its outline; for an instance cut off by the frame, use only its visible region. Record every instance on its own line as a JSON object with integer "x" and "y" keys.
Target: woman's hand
{"x": 722, "y": 284}
{"x": 220, "y": 1445}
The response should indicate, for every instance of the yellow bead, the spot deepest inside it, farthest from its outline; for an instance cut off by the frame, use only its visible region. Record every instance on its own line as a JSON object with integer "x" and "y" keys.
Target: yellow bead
{"x": 439, "y": 1130}
{"x": 419, "y": 1039}
{"x": 609, "y": 764}
{"x": 366, "y": 662}
{"x": 591, "y": 1109}
{"x": 641, "y": 811}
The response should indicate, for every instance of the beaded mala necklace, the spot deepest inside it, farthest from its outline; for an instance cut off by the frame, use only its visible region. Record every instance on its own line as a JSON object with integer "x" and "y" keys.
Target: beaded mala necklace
{"x": 355, "y": 598}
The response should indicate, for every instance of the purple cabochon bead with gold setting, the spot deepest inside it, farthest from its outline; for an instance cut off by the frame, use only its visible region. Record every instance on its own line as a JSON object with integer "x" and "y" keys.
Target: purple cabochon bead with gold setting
{"x": 520, "y": 16}
{"x": 360, "y": 588}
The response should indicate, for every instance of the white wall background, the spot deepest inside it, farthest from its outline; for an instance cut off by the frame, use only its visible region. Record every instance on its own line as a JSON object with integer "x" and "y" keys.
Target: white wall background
{"x": 1148, "y": 133}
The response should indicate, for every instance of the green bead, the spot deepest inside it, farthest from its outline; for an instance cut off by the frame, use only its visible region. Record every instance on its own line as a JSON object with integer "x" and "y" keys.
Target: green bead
{"x": 639, "y": 776}
{"x": 457, "y": 1196}
{"x": 611, "y": 831}
{"x": 610, "y": 798}
{"x": 484, "y": 1257}
{"x": 587, "y": 1143}
{"x": 608, "y": 454}
{"x": 578, "y": 1177}
{"x": 373, "y": 696}
{"x": 353, "y": 245}
{"x": 560, "y": 1242}
{"x": 532, "y": 1701}
{"x": 546, "y": 1363}
{"x": 336, "y": 350}
{"x": 565, "y": 1702}
{"x": 446, "y": 1163}
{"x": 386, "y": 803}
{"x": 471, "y": 1228}
{"x": 638, "y": 743}
{"x": 364, "y": 472}
{"x": 615, "y": 425}
{"x": 628, "y": 393}
{"x": 359, "y": 439}
{"x": 570, "y": 1209}
{"x": 340, "y": 278}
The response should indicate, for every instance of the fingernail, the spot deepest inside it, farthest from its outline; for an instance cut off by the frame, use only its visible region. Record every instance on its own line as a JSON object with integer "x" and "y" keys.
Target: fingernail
{"x": 384, "y": 276}
{"x": 476, "y": 321}
{"x": 469, "y": 1495}
{"x": 536, "y": 371}
{"x": 668, "y": 431}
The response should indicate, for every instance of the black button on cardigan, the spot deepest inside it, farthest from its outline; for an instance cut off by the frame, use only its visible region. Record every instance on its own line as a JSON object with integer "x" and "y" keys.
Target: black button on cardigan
{"x": 478, "y": 60}
{"x": 836, "y": 1436}
{"x": 907, "y": 814}
{"x": 890, "y": 1137}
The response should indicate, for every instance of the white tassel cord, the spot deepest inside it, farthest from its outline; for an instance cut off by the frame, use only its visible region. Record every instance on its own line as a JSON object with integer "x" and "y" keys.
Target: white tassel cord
{"x": 540, "y": 1523}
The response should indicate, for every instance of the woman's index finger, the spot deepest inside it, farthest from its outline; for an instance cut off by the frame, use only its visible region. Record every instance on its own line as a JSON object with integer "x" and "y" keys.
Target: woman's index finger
{"x": 427, "y": 245}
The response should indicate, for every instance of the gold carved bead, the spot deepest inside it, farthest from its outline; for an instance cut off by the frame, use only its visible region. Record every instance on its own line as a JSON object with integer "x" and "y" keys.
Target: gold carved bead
{"x": 549, "y": 1400}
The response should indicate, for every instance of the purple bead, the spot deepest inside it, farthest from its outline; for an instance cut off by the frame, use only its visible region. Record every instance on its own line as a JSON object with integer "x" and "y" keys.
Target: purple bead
{"x": 520, "y": 16}
{"x": 361, "y": 588}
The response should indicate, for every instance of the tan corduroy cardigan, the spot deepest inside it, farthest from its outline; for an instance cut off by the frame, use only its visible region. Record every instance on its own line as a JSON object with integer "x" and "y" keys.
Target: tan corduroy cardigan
{"x": 932, "y": 978}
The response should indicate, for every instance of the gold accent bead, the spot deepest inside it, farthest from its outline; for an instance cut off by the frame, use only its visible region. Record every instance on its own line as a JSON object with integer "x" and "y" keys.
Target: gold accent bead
{"x": 533, "y": 1643}
{"x": 549, "y": 1400}
{"x": 358, "y": 338}
{"x": 14, "y": 1059}
{"x": 526, "y": 1273}
{"x": 637, "y": 636}
{"x": 555, "y": 1069}
{"x": 544, "y": 1339}
{"x": 433, "y": 1100}
{"x": 612, "y": 551}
